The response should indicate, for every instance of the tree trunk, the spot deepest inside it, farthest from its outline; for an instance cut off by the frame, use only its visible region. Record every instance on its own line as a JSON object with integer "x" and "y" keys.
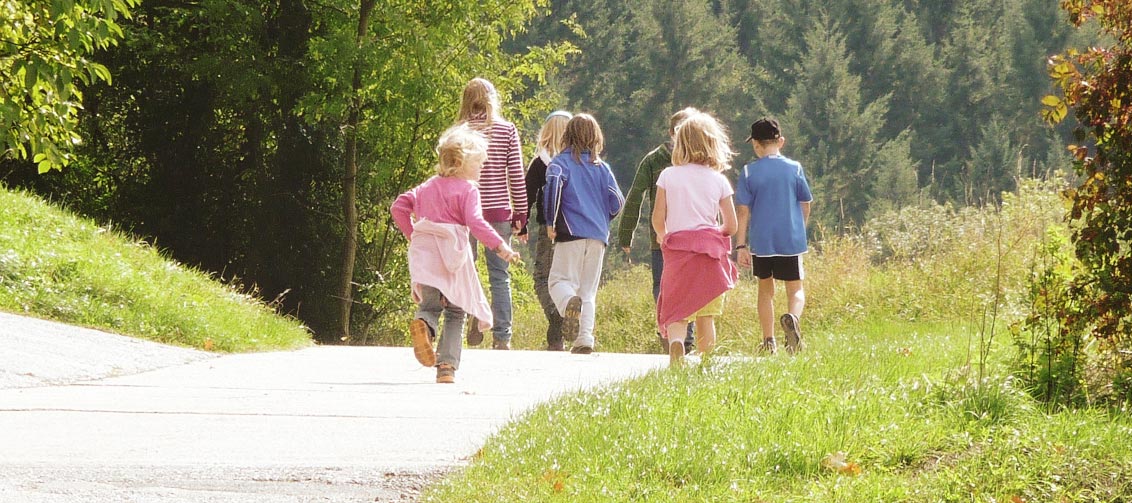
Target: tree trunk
{"x": 349, "y": 184}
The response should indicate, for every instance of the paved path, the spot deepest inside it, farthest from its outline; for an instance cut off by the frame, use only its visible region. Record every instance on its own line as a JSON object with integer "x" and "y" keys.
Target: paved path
{"x": 319, "y": 424}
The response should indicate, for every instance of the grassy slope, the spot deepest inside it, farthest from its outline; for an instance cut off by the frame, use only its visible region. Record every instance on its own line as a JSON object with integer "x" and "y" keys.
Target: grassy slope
{"x": 57, "y": 266}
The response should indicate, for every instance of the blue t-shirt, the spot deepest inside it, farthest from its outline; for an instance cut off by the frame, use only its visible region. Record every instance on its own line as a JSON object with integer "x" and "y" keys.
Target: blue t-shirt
{"x": 772, "y": 187}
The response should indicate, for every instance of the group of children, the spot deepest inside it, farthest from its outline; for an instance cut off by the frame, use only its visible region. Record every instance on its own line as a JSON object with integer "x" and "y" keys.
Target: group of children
{"x": 477, "y": 191}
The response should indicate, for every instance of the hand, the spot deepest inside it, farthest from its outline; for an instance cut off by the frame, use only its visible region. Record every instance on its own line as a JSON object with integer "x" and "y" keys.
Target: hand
{"x": 743, "y": 257}
{"x": 506, "y": 253}
{"x": 628, "y": 257}
{"x": 551, "y": 233}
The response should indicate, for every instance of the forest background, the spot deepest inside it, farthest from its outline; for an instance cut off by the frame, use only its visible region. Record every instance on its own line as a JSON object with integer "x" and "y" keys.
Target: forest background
{"x": 264, "y": 141}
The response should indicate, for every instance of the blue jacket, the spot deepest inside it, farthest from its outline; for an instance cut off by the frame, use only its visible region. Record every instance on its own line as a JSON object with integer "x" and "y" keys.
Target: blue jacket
{"x": 581, "y": 198}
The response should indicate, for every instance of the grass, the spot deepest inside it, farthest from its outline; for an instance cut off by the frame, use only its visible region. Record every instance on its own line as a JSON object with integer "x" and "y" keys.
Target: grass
{"x": 893, "y": 400}
{"x": 57, "y": 266}
{"x": 896, "y": 399}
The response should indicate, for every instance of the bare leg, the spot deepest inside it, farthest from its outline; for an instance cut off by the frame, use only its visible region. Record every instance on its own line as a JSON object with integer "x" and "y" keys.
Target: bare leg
{"x": 766, "y": 307}
{"x": 795, "y": 298}
{"x": 676, "y": 333}
{"x": 705, "y": 334}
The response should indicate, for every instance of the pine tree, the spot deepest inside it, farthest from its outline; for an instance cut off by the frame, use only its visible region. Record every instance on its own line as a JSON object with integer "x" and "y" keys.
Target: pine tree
{"x": 832, "y": 131}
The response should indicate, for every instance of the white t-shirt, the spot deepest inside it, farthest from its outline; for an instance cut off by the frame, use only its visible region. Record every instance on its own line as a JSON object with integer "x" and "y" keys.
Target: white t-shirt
{"x": 693, "y": 192}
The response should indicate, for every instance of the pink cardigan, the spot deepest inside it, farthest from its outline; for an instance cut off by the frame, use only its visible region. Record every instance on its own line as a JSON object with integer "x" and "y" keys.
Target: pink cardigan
{"x": 697, "y": 269}
{"x": 440, "y": 257}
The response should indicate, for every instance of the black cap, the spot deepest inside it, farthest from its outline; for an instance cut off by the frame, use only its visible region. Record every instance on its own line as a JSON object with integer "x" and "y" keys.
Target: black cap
{"x": 765, "y": 129}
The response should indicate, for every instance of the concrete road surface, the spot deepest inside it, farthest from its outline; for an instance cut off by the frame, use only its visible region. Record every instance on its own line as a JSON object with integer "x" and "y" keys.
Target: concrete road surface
{"x": 88, "y": 416}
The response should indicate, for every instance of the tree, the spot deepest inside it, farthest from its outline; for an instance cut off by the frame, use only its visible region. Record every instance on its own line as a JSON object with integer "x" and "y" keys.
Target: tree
{"x": 44, "y": 50}
{"x": 391, "y": 79}
{"x": 837, "y": 137}
{"x": 1094, "y": 84}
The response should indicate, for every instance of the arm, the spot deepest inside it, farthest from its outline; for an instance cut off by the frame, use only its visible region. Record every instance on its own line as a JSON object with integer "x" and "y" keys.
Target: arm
{"x": 552, "y": 196}
{"x": 614, "y": 200}
{"x": 402, "y": 211}
{"x": 535, "y": 180}
{"x": 805, "y": 212}
{"x": 730, "y": 219}
{"x": 660, "y": 214}
{"x": 516, "y": 183}
{"x": 632, "y": 211}
{"x": 743, "y": 217}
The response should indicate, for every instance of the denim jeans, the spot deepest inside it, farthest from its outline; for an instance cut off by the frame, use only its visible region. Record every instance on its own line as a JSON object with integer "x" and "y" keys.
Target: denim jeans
{"x": 500, "y": 282}
{"x": 451, "y": 341}
{"x": 657, "y": 270}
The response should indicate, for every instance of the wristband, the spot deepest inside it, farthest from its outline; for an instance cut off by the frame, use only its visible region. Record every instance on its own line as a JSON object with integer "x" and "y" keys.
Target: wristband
{"x": 740, "y": 247}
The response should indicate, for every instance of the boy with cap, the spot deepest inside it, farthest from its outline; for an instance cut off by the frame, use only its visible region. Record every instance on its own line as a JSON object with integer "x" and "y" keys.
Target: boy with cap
{"x": 773, "y": 206}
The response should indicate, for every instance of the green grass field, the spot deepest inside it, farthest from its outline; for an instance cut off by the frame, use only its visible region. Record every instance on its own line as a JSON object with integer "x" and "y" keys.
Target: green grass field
{"x": 904, "y": 393}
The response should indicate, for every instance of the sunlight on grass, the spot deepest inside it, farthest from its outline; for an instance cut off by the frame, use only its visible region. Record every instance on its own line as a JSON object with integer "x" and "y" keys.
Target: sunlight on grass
{"x": 758, "y": 429}
{"x": 893, "y": 399}
{"x": 56, "y": 266}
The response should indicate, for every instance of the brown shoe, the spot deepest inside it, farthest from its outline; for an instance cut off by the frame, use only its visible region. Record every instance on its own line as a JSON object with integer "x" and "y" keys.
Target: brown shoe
{"x": 475, "y": 336}
{"x": 556, "y": 346}
{"x": 769, "y": 346}
{"x": 498, "y": 344}
{"x": 445, "y": 374}
{"x": 676, "y": 355}
{"x": 572, "y": 318}
{"x": 790, "y": 325}
{"x": 421, "y": 335}
{"x": 581, "y": 350}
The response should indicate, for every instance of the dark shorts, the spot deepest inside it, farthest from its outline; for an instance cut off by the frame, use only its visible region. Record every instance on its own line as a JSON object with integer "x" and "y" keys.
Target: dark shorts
{"x": 780, "y": 268}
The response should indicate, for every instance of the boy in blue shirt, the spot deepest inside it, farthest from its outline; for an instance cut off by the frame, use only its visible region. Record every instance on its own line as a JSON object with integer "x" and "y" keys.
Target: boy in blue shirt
{"x": 773, "y": 206}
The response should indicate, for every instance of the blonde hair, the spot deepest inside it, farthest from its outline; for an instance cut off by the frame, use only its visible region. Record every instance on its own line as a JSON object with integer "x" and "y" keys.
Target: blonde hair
{"x": 459, "y": 149}
{"x": 479, "y": 98}
{"x": 679, "y": 117}
{"x": 700, "y": 139}
{"x": 583, "y": 133}
{"x": 551, "y": 135}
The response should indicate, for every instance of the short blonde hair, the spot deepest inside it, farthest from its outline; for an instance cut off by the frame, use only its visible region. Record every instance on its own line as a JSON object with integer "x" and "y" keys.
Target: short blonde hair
{"x": 460, "y": 148}
{"x": 479, "y": 98}
{"x": 583, "y": 133}
{"x": 552, "y": 132}
{"x": 679, "y": 117}
{"x": 700, "y": 139}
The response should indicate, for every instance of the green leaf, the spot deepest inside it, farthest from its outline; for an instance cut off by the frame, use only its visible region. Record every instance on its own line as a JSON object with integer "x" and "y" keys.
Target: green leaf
{"x": 1051, "y": 101}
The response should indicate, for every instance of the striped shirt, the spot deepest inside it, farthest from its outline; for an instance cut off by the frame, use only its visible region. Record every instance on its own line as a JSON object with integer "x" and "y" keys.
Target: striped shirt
{"x": 503, "y": 192}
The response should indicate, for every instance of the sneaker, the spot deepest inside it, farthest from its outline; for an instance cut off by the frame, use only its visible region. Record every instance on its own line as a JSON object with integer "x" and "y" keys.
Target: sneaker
{"x": 498, "y": 344}
{"x": 791, "y": 326}
{"x": 572, "y": 317}
{"x": 445, "y": 374}
{"x": 676, "y": 355}
{"x": 475, "y": 336}
{"x": 556, "y": 346}
{"x": 769, "y": 346}
{"x": 421, "y": 334}
{"x": 793, "y": 333}
{"x": 581, "y": 350}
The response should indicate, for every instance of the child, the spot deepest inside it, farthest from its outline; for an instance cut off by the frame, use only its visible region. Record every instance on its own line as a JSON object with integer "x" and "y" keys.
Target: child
{"x": 648, "y": 171}
{"x": 774, "y": 190}
{"x": 503, "y": 197}
{"x": 436, "y": 217}
{"x": 582, "y": 197}
{"x": 549, "y": 145}
{"x": 691, "y": 198}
